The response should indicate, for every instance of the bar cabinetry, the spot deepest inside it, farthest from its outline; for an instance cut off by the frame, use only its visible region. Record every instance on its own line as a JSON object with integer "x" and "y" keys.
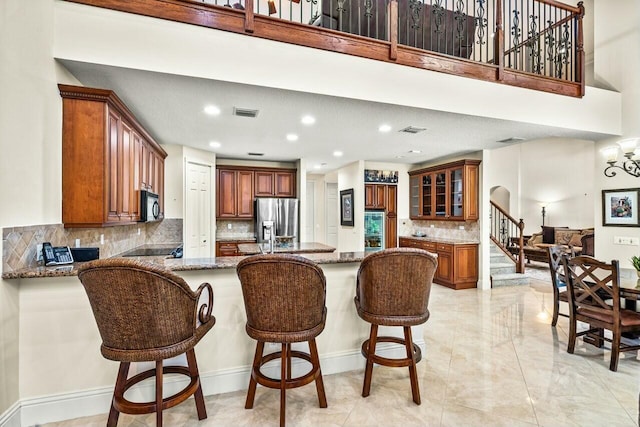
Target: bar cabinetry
{"x": 457, "y": 262}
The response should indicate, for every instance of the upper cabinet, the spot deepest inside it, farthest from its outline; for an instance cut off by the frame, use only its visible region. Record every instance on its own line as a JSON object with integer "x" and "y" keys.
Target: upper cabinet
{"x": 237, "y": 186}
{"x": 107, "y": 158}
{"x": 446, "y": 192}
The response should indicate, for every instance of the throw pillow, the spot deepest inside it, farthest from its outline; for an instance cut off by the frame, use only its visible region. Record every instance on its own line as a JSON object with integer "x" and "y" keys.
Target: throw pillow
{"x": 576, "y": 240}
{"x": 548, "y": 234}
{"x": 563, "y": 235}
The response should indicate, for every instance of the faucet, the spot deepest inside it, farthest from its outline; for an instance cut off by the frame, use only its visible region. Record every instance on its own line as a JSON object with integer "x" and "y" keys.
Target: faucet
{"x": 268, "y": 229}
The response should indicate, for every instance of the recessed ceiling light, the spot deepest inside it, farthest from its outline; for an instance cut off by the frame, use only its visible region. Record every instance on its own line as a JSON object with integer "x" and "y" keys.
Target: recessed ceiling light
{"x": 415, "y": 151}
{"x": 384, "y": 128}
{"x": 292, "y": 137}
{"x": 215, "y": 144}
{"x": 317, "y": 166}
{"x": 308, "y": 120}
{"x": 337, "y": 153}
{"x": 212, "y": 110}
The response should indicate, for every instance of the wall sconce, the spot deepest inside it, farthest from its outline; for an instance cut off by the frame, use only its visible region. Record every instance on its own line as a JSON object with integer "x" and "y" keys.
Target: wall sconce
{"x": 629, "y": 165}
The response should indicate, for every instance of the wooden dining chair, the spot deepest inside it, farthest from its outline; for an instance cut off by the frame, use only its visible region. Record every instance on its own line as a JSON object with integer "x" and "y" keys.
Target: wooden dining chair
{"x": 594, "y": 298}
{"x": 556, "y": 268}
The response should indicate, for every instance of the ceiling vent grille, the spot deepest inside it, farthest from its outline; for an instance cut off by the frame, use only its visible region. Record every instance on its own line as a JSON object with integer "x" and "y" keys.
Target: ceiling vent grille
{"x": 245, "y": 112}
{"x": 510, "y": 140}
{"x": 412, "y": 129}
{"x": 256, "y": 154}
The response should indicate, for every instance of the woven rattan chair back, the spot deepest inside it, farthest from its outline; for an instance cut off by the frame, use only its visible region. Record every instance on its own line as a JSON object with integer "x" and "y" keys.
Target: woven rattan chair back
{"x": 146, "y": 313}
{"x": 139, "y": 308}
{"x": 394, "y": 286}
{"x": 284, "y": 297}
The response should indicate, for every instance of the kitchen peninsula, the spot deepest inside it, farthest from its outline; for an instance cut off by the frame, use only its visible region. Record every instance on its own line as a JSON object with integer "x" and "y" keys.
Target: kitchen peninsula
{"x": 291, "y": 248}
{"x": 57, "y": 325}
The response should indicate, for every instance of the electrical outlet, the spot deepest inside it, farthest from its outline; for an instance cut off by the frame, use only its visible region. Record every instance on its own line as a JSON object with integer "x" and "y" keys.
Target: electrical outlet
{"x": 102, "y": 239}
{"x": 229, "y": 226}
{"x": 39, "y": 252}
{"x": 625, "y": 240}
{"x": 431, "y": 226}
{"x": 77, "y": 243}
{"x": 461, "y": 227}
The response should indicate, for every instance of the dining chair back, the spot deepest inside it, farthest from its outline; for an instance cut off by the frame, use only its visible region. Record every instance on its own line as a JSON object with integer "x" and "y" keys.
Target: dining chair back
{"x": 556, "y": 268}
{"x": 594, "y": 298}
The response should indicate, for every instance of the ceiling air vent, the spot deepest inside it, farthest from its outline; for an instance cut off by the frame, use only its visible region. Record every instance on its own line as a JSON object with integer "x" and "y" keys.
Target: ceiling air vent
{"x": 412, "y": 129}
{"x": 256, "y": 154}
{"x": 245, "y": 112}
{"x": 510, "y": 140}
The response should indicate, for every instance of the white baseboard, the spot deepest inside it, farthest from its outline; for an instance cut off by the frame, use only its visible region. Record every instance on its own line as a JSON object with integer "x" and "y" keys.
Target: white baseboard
{"x": 65, "y": 406}
{"x": 11, "y": 417}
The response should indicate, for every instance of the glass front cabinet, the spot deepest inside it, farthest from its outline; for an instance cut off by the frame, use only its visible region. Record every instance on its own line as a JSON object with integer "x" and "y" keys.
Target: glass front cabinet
{"x": 445, "y": 192}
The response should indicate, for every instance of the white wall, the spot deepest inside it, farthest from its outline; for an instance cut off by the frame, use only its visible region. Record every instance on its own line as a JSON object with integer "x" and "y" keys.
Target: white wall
{"x": 617, "y": 65}
{"x": 319, "y": 214}
{"x": 173, "y": 181}
{"x": 554, "y": 171}
{"x": 351, "y": 239}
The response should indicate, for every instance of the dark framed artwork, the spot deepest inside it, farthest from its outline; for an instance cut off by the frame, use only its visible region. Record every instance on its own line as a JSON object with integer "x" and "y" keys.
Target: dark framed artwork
{"x": 346, "y": 207}
{"x": 620, "y": 207}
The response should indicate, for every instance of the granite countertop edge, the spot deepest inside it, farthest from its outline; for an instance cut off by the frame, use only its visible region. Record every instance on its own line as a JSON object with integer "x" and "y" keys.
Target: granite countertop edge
{"x": 442, "y": 240}
{"x": 179, "y": 264}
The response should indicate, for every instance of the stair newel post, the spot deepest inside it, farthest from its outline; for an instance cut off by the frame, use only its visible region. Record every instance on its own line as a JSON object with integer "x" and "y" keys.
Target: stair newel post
{"x": 248, "y": 16}
{"x": 520, "y": 265}
{"x": 498, "y": 42}
{"x": 580, "y": 49}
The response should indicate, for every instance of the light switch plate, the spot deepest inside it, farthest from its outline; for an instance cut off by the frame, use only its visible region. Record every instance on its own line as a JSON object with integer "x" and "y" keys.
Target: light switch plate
{"x": 626, "y": 240}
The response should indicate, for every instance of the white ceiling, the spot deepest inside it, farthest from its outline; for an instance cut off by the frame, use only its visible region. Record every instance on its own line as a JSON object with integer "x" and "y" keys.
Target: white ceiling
{"x": 171, "y": 108}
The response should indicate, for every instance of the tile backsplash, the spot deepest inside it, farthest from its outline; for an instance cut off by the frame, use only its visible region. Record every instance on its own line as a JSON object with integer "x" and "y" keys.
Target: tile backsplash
{"x": 440, "y": 229}
{"x": 19, "y": 243}
{"x": 235, "y": 230}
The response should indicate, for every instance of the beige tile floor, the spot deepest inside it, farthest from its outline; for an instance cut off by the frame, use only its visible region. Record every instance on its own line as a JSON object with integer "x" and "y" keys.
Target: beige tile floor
{"x": 492, "y": 359}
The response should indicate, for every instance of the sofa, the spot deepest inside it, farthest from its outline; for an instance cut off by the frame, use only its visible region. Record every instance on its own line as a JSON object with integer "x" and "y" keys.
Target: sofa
{"x": 580, "y": 240}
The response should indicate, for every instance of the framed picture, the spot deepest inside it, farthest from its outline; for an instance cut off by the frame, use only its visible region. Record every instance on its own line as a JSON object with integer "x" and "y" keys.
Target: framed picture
{"x": 346, "y": 207}
{"x": 620, "y": 207}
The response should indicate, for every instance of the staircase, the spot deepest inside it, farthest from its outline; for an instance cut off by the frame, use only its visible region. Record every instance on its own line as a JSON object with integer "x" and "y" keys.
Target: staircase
{"x": 503, "y": 270}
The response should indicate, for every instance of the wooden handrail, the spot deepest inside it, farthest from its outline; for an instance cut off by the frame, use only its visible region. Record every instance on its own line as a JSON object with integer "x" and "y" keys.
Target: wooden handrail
{"x": 519, "y": 259}
{"x": 546, "y": 30}
{"x": 554, "y": 3}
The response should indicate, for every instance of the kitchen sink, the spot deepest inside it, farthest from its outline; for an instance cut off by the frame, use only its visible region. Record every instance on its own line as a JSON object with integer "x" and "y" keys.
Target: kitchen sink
{"x": 150, "y": 251}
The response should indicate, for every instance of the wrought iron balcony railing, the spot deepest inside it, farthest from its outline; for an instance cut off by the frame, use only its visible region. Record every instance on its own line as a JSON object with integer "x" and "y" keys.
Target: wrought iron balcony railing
{"x": 536, "y": 44}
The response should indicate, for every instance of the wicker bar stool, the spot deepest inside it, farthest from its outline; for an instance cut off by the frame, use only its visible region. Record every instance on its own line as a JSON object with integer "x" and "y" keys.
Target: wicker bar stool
{"x": 147, "y": 314}
{"x": 284, "y": 297}
{"x": 393, "y": 289}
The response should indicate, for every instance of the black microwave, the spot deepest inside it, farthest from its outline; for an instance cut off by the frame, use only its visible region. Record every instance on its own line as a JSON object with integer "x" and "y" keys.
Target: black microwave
{"x": 149, "y": 206}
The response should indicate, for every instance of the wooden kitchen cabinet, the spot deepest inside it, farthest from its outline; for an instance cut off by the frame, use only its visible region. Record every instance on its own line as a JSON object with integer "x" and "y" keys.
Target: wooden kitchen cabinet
{"x": 230, "y": 247}
{"x": 269, "y": 183}
{"x": 102, "y": 159}
{"x": 237, "y": 186}
{"x": 234, "y": 189}
{"x": 457, "y": 262}
{"x": 446, "y": 192}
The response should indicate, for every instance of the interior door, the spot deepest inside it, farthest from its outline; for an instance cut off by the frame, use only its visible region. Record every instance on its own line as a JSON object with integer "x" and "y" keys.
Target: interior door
{"x": 332, "y": 209}
{"x": 197, "y": 218}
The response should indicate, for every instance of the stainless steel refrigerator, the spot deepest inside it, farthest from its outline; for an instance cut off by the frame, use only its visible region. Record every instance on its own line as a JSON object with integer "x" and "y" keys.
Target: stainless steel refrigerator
{"x": 283, "y": 213}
